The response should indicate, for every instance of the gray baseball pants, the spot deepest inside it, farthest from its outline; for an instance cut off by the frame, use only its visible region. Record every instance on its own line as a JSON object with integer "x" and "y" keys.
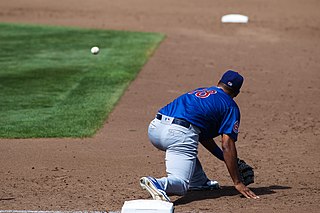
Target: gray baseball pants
{"x": 181, "y": 147}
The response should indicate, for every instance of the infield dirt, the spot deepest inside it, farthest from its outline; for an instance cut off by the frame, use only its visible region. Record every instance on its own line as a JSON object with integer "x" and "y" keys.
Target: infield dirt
{"x": 278, "y": 52}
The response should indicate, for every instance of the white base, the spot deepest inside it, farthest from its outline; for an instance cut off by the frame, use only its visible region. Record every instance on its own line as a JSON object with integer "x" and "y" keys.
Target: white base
{"x": 147, "y": 206}
{"x": 234, "y": 18}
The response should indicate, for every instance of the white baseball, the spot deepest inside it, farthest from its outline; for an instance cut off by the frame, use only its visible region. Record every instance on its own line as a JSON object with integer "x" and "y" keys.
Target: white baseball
{"x": 95, "y": 50}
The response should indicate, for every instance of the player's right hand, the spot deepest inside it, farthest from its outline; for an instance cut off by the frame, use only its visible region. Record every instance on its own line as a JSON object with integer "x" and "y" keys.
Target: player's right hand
{"x": 245, "y": 191}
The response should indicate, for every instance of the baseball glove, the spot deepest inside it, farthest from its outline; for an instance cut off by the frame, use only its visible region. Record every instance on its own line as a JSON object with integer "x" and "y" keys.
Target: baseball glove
{"x": 246, "y": 172}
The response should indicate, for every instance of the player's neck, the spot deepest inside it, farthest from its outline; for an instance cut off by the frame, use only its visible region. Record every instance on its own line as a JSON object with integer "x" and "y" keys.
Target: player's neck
{"x": 226, "y": 91}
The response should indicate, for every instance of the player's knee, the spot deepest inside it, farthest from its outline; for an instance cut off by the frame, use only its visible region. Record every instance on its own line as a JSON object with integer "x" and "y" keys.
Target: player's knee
{"x": 184, "y": 188}
{"x": 176, "y": 186}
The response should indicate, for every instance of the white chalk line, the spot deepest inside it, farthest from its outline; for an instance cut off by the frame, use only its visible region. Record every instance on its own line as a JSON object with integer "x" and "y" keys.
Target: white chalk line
{"x": 27, "y": 211}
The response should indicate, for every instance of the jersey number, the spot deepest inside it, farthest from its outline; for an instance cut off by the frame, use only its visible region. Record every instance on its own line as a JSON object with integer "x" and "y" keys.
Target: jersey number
{"x": 203, "y": 93}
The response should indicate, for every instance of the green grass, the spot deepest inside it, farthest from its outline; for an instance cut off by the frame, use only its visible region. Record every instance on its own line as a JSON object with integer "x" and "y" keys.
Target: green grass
{"x": 52, "y": 86}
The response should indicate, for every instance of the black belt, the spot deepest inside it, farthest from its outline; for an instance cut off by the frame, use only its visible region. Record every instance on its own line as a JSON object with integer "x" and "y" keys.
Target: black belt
{"x": 177, "y": 121}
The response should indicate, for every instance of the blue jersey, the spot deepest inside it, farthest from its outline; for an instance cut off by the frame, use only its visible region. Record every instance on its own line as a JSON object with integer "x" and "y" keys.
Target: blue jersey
{"x": 210, "y": 109}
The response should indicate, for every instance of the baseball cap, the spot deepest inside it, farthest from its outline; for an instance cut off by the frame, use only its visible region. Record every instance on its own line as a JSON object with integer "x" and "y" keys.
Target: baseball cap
{"x": 233, "y": 80}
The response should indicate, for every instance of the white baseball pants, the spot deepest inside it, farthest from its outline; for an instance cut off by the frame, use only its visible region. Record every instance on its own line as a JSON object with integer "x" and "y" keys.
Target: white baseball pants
{"x": 181, "y": 146}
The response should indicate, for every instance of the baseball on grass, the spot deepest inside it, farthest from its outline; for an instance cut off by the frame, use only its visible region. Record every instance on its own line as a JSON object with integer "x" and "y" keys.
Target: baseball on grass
{"x": 95, "y": 50}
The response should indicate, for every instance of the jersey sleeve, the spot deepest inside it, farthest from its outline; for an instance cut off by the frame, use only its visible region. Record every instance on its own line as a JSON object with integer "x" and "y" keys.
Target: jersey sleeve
{"x": 230, "y": 123}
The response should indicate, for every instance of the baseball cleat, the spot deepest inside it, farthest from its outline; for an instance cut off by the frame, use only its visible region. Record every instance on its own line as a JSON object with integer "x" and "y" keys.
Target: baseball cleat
{"x": 152, "y": 186}
{"x": 209, "y": 185}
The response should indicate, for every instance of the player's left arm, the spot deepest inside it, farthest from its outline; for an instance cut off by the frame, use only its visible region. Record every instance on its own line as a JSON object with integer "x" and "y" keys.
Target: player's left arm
{"x": 212, "y": 147}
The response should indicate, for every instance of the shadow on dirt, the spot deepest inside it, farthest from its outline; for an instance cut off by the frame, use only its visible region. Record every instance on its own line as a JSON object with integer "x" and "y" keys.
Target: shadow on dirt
{"x": 8, "y": 198}
{"x": 225, "y": 191}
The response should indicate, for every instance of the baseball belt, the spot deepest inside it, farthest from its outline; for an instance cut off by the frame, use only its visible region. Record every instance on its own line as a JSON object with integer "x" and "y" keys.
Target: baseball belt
{"x": 177, "y": 121}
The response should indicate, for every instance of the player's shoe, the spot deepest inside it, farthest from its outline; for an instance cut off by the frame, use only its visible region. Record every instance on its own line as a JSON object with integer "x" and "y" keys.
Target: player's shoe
{"x": 209, "y": 185}
{"x": 152, "y": 186}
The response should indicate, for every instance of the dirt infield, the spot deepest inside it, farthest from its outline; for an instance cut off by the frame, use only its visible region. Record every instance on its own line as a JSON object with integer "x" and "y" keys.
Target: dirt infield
{"x": 278, "y": 52}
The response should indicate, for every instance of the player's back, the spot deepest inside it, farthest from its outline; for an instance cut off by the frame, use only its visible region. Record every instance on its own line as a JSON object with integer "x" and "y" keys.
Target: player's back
{"x": 206, "y": 108}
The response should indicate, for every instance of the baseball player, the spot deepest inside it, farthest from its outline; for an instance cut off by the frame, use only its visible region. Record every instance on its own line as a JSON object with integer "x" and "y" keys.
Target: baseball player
{"x": 198, "y": 116}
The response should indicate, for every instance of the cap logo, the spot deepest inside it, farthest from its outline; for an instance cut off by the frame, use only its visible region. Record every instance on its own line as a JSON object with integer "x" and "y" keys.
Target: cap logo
{"x": 230, "y": 83}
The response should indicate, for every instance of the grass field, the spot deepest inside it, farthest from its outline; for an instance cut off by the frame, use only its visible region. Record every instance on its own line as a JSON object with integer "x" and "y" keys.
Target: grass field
{"x": 52, "y": 86}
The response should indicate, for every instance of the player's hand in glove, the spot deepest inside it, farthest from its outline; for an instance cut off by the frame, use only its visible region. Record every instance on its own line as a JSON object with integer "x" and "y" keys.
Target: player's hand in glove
{"x": 246, "y": 172}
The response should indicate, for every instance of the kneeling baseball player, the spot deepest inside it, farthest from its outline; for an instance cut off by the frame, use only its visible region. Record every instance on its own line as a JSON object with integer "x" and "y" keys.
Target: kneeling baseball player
{"x": 198, "y": 116}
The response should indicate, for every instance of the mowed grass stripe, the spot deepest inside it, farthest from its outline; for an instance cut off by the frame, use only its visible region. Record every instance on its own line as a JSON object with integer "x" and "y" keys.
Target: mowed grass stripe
{"x": 52, "y": 86}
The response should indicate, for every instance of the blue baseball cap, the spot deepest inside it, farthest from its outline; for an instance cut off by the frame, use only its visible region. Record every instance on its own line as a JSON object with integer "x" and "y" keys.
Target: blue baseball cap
{"x": 233, "y": 80}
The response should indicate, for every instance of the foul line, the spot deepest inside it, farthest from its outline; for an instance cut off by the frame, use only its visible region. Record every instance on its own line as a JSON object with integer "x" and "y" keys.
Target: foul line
{"x": 26, "y": 211}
